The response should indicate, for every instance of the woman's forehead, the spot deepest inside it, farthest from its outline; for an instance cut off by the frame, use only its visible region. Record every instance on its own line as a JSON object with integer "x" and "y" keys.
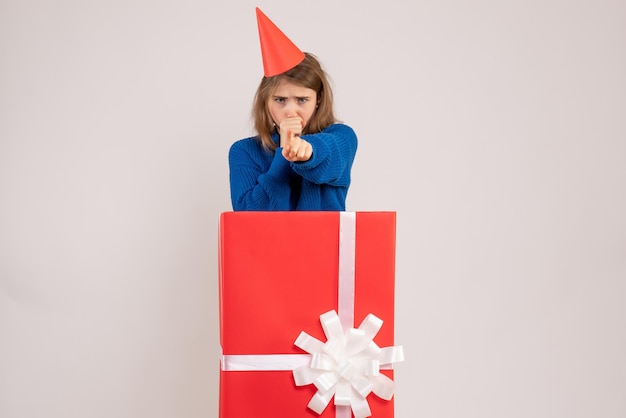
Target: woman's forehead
{"x": 288, "y": 89}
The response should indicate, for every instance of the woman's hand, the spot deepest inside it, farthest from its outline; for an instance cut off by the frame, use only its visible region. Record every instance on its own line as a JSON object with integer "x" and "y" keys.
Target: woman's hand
{"x": 294, "y": 147}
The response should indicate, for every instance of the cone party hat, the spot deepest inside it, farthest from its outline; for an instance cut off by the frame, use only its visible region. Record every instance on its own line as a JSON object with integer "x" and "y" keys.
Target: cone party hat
{"x": 278, "y": 52}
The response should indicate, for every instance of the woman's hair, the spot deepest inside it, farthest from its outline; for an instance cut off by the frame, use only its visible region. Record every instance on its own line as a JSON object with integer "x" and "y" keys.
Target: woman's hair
{"x": 309, "y": 74}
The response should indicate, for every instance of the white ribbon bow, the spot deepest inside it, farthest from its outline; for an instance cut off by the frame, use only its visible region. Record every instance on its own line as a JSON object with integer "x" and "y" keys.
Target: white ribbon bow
{"x": 347, "y": 366}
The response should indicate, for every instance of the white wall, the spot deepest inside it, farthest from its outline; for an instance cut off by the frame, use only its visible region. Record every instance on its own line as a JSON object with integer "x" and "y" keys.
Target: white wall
{"x": 494, "y": 128}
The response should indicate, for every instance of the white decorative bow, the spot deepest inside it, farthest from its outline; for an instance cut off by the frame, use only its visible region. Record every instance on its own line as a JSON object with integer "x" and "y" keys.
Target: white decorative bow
{"x": 347, "y": 366}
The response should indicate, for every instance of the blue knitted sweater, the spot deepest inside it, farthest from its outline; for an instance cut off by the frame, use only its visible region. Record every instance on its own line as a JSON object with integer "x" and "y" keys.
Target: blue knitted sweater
{"x": 262, "y": 180}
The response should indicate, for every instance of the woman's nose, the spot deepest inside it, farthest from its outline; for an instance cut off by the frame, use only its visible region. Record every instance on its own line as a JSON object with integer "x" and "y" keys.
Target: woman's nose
{"x": 291, "y": 111}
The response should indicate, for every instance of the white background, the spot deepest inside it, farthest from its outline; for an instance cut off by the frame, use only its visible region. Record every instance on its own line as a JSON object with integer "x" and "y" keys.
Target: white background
{"x": 495, "y": 129}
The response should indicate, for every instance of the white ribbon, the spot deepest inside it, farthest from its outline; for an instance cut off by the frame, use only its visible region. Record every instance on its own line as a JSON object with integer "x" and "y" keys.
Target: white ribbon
{"x": 347, "y": 251}
{"x": 347, "y": 365}
{"x": 265, "y": 362}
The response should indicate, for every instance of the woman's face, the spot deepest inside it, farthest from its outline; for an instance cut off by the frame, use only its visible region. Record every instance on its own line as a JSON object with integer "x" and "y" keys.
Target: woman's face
{"x": 292, "y": 101}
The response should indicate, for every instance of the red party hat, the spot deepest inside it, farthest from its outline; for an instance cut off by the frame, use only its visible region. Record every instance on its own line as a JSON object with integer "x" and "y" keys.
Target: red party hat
{"x": 279, "y": 53}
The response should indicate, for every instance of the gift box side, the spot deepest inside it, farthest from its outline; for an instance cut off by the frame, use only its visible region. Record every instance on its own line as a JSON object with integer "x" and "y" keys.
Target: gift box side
{"x": 245, "y": 303}
{"x": 270, "y": 394}
{"x": 272, "y": 264}
{"x": 375, "y": 271}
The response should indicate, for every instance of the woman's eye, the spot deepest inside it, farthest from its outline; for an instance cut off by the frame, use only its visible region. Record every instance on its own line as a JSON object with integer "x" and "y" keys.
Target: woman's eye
{"x": 303, "y": 100}
{"x": 279, "y": 99}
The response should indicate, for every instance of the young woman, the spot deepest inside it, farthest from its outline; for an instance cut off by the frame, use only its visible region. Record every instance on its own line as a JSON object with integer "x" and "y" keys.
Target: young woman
{"x": 301, "y": 157}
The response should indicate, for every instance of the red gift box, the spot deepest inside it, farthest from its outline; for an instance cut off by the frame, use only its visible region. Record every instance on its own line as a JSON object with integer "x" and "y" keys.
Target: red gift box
{"x": 279, "y": 271}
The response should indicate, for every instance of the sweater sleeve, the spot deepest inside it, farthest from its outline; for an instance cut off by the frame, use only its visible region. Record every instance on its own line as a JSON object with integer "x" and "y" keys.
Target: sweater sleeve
{"x": 334, "y": 150}
{"x": 254, "y": 187}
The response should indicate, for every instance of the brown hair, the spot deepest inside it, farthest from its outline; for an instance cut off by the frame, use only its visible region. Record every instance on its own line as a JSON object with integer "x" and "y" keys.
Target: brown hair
{"x": 309, "y": 74}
